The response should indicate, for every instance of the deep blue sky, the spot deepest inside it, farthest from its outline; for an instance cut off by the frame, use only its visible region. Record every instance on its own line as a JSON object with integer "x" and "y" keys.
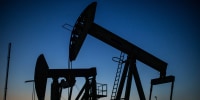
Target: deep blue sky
{"x": 167, "y": 29}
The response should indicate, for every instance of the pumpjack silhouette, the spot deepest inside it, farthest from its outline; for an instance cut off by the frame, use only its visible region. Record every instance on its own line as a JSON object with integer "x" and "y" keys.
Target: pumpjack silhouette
{"x": 90, "y": 91}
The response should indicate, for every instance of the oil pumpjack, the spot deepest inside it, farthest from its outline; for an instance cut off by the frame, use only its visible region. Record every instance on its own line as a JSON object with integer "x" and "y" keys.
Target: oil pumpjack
{"x": 83, "y": 26}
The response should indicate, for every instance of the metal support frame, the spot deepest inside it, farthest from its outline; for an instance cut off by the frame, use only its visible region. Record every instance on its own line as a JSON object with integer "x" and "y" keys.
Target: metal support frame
{"x": 70, "y": 94}
{"x": 55, "y": 90}
{"x": 94, "y": 88}
{"x": 158, "y": 81}
{"x": 131, "y": 69}
{"x": 138, "y": 82}
{"x": 129, "y": 81}
{"x": 123, "y": 78}
{"x": 7, "y": 71}
{"x": 101, "y": 90}
{"x": 89, "y": 90}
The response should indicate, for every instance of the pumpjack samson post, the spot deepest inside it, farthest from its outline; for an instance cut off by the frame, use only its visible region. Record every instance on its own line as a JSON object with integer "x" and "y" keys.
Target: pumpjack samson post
{"x": 85, "y": 25}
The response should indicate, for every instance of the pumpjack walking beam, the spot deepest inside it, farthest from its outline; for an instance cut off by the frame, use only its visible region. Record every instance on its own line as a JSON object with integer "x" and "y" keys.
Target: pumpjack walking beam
{"x": 128, "y": 48}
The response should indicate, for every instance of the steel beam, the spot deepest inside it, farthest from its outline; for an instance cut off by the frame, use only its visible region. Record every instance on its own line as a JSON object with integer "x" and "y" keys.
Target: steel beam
{"x": 128, "y": 48}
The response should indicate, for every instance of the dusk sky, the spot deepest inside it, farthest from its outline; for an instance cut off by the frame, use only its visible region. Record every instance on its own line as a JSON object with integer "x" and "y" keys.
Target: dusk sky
{"x": 167, "y": 29}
